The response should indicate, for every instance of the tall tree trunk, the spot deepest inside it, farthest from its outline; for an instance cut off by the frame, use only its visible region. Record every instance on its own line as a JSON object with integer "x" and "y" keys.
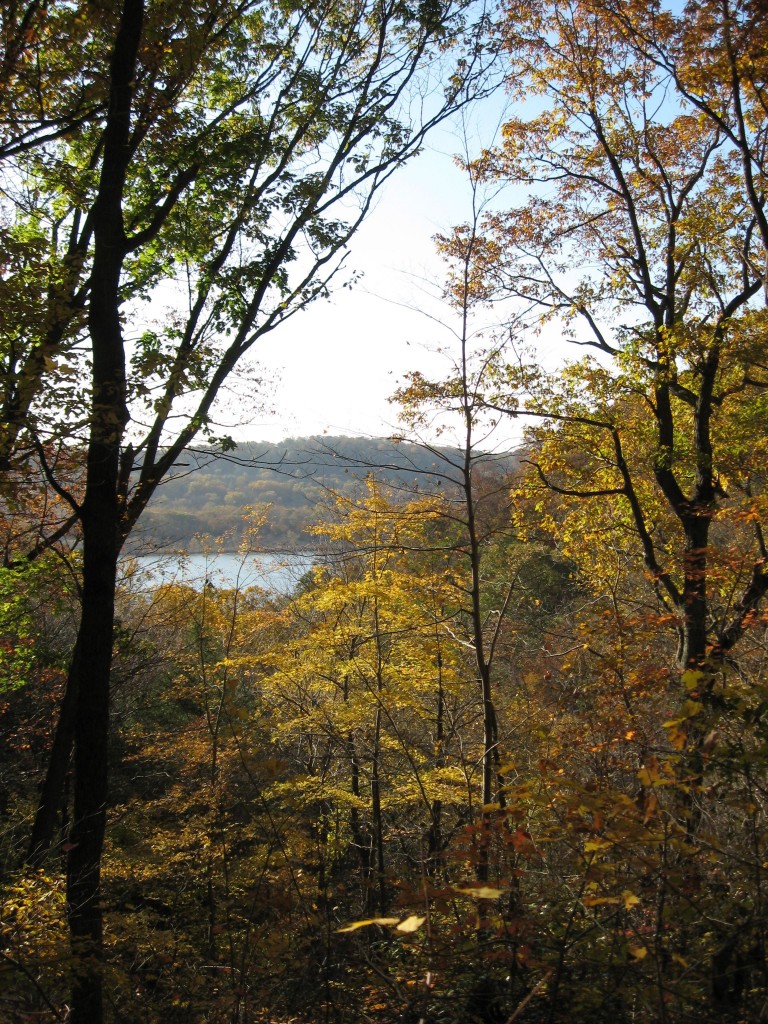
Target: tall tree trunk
{"x": 101, "y": 514}
{"x": 482, "y": 662}
{"x": 435, "y": 837}
{"x": 91, "y": 736}
{"x": 377, "y": 817}
{"x": 359, "y": 836}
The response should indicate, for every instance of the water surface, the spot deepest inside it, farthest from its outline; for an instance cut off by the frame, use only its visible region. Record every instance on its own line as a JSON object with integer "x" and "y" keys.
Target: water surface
{"x": 223, "y": 569}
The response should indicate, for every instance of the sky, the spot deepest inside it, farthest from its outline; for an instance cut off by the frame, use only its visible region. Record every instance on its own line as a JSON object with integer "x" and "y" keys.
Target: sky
{"x": 333, "y": 367}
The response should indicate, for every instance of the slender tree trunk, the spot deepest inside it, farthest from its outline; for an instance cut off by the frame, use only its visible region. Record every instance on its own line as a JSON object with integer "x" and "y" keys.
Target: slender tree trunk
{"x": 51, "y": 793}
{"x": 435, "y": 838}
{"x": 482, "y": 660}
{"x": 490, "y": 726}
{"x": 361, "y": 841}
{"x": 376, "y": 814}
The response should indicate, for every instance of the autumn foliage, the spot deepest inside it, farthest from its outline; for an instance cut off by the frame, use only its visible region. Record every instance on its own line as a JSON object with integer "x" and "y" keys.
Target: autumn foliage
{"x": 501, "y": 755}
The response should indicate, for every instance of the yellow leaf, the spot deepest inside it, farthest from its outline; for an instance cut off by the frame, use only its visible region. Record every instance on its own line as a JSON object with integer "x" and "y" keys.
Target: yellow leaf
{"x": 364, "y": 924}
{"x": 597, "y": 901}
{"x": 481, "y": 892}
{"x": 629, "y": 899}
{"x": 638, "y": 952}
{"x": 691, "y": 679}
{"x": 593, "y": 845}
{"x": 411, "y": 924}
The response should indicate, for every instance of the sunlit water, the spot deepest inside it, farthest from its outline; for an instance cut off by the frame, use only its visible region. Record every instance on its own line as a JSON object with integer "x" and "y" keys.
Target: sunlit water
{"x": 224, "y": 570}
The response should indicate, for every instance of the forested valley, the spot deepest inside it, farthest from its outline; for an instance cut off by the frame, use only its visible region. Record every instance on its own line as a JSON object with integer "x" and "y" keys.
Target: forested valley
{"x": 205, "y": 495}
{"x": 502, "y": 753}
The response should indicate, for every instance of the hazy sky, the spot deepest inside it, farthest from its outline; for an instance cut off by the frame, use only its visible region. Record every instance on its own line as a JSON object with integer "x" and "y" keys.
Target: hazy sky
{"x": 334, "y": 366}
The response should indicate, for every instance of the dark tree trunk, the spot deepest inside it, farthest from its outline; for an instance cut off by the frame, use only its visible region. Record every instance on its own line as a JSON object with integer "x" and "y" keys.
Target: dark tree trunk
{"x": 694, "y": 652}
{"x": 483, "y": 665}
{"x": 377, "y": 816}
{"x": 695, "y": 656}
{"x": 435, "y": 836}
{"x": 360, "y": 838}
{"x": 91, "y": 736}
{"x": 51, "y": 793}
{"x": 101, "y": 514}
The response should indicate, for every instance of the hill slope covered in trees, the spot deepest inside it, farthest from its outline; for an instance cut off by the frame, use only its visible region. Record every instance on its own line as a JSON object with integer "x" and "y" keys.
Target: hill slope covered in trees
{"x": 208, "y": 494}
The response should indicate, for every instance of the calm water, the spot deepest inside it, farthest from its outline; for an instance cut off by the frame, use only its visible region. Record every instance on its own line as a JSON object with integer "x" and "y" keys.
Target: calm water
{"x": 225, "y": 570}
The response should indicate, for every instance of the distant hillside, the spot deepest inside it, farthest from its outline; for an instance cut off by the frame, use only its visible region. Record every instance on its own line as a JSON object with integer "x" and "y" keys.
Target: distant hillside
{"x": 207, "y": 493}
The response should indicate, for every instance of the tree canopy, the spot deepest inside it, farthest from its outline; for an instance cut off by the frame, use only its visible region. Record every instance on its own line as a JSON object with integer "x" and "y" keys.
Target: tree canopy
{"x": 214, "y": 159}
{"x": 501, "y": 755}
{"x": 641, "y": 236}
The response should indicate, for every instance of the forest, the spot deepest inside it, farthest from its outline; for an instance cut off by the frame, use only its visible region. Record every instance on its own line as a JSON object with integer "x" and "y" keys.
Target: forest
{"x": 502, "y": 754}
{"x": 204, "y": 497}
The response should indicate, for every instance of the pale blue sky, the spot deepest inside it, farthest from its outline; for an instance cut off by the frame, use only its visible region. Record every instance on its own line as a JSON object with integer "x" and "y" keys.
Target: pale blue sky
{"x": 334, "y": 366}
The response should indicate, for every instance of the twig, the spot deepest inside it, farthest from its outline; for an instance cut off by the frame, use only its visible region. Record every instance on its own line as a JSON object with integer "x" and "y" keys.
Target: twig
{"x": 536, "y": 988}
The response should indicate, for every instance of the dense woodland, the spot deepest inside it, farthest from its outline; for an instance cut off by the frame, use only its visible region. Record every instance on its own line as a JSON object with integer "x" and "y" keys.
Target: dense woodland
{"x": 207, "y": 495}
{"x": 503, "y": 754}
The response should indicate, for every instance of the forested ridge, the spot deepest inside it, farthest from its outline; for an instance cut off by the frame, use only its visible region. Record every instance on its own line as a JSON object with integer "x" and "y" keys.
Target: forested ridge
{"x": 207, "y": 495}
{"x": 502, "y": 754}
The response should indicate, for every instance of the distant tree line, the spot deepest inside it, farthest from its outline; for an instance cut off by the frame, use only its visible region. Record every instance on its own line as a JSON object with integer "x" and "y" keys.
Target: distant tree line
{"x": 208, "y": 495}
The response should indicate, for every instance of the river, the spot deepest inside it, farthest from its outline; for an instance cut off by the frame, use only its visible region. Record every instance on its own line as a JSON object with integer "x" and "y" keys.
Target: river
{"x": 224, "y": 569}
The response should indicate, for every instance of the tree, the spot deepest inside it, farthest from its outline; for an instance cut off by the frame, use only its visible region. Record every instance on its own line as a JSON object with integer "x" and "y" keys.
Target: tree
{"x": 641, "y": 239}
{"x": 362, "y": 684}
{"x": 460, "y": 397}
{"x": 237, "y": 149}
